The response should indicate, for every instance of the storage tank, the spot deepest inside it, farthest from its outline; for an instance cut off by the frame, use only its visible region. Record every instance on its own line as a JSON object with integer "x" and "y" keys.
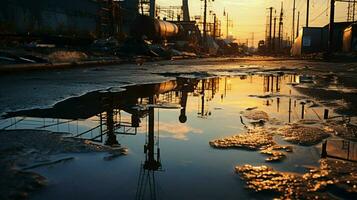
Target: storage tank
{"x": 153, "y": 29}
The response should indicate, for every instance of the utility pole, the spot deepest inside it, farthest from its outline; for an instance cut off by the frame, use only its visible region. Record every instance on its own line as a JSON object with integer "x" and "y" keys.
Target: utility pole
{"x": 293, "y": 30}
{"x": 353, "y": 10}
{"x": 307, "y": 13}
{"x": 152, "y": 9}
{"x": 298, "y": 24}
{"x": 274, "y": 40}
{"x": 270, "y": 26}
{"x": 253, "y": 40}
{"x": 227, "y": 26}
{"x": 280, "y": 26}
{"x": 331, "y": 26}
{"x": 205, "y": 23}
{"x": 214, "y": 26}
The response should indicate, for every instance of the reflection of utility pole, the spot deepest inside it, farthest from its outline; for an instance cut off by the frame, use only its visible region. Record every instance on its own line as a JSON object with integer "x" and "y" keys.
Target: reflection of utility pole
{"x": 290, "y": 107}
{"x": 203, "y": 98}
{"x": 302, "y": 110}
{"x": 278, "y": 104}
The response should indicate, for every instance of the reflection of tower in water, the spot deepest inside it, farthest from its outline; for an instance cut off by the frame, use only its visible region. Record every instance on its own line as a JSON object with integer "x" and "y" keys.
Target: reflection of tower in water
{"x": 147, "y": 186}
{"x": 271, "y": 83}
{"x": 207, "y": 88}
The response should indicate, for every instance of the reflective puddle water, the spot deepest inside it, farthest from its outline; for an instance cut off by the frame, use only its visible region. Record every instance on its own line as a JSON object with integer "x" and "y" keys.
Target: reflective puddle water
{"x": 167, "y": 129}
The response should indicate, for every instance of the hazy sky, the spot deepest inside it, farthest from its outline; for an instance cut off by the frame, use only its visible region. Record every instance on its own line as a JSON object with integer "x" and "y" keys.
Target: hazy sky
{"x": 250, "y": 15}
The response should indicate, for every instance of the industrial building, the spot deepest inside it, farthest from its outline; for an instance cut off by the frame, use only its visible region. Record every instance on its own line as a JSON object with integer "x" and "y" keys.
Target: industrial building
{"x": 315, "y": 39}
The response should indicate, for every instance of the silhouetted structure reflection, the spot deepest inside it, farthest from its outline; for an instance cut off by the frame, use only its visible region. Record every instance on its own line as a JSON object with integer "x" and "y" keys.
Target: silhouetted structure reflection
{"x": 152, "y": 163}
{"x": 339, "y": 149}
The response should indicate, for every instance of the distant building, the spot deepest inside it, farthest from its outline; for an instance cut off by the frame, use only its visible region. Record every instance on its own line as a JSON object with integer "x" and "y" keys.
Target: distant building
{"x": 315, "y": 39}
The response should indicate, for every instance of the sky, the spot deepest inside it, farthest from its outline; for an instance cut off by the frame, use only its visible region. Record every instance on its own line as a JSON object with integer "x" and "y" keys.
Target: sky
{"x": 249, "y": 16}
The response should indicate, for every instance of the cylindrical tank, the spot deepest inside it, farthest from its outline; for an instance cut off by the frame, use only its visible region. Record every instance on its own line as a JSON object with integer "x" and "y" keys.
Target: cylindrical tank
{"x": 154, "y": 29}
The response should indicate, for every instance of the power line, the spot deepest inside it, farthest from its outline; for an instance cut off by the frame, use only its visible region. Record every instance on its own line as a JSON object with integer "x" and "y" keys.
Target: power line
{"x": 320, "y": 14}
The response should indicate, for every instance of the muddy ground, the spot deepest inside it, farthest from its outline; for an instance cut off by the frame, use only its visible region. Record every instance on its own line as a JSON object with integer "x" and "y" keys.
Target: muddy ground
{"x": 42, "y": 88}
{"x": 334, "y": 84}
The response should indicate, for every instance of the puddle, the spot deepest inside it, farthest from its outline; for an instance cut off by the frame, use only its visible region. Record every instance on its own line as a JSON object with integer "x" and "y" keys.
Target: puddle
{"x": 166, "y": 129}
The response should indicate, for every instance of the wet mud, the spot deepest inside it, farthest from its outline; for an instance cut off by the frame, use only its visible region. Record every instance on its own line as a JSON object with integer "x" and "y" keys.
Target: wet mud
{"x": 302, "y": 134}
{"x": 333, "y": 179}
{"x": 270, "y": 110}
{"x": 23, "y": 150}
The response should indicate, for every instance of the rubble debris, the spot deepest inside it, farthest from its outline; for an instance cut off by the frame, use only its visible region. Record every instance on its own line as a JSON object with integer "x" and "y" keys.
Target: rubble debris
{"x": 255, "y": 139}
{"x": 303, "y": 135}
{"x": 318, "y": 183}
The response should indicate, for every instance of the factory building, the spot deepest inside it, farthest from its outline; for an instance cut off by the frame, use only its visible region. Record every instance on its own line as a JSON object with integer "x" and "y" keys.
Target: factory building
{"x": 315, "y": 39}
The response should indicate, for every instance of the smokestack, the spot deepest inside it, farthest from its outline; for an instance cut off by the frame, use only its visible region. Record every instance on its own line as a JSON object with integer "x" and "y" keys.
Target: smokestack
{"x": 186, "y": 12}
